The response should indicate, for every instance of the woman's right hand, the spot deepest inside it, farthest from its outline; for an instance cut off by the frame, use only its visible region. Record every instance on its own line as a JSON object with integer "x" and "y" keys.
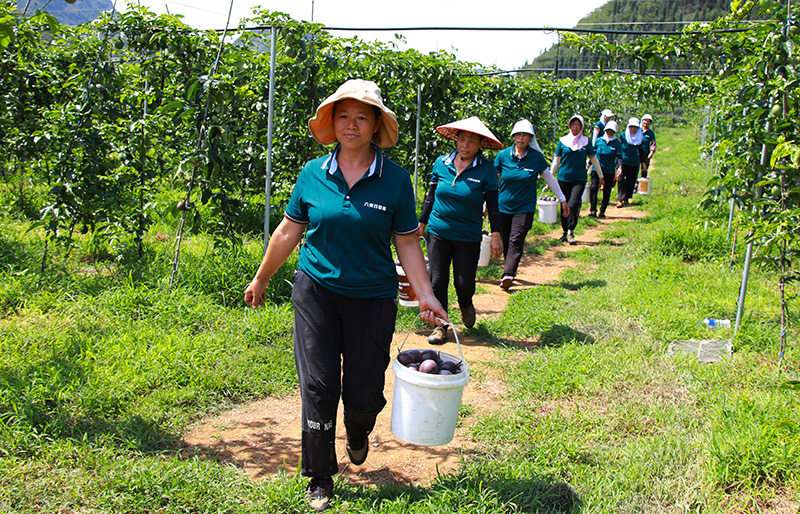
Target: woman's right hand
{"x": 564, "y": 209}
{"x": 421, "y": 230}
{"x": 254, "y": 294}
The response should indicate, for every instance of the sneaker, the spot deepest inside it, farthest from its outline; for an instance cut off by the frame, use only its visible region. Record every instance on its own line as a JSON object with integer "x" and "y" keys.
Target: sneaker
{"x": 468, "y": 316}
{"x": 319, "y": 493}
{"x": 601, "y": 215}
{"x": 506, "y": 282}
{"x": 592, "y": 214}
{"x": 357, "y": 452}
{"x": 570, "y": 238}
{"x": 438, "y": 336}
{"x": 563, "y": 237}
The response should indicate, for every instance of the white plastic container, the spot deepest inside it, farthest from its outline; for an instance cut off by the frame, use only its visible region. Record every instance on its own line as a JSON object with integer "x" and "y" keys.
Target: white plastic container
{"x": 585, "y": 196}
{"x": 548, "y": 211}
{"x": 405, "y": 293}
{"x": 483, "y": 258}
{"x": 425, "y": 406}
{"x": 644, "y": 186}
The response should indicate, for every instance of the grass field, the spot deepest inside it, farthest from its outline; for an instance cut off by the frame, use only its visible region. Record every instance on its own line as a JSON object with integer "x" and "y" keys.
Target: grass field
{"x": 101, "y": 370}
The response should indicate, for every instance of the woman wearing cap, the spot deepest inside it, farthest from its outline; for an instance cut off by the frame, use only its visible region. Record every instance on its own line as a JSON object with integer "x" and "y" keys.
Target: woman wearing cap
{"x": 518, "y": 169}
{"x": 632, "y": 154}
{"x": 600, "y": 126}
{"x": 452, "y": 214}
{"x": 348, "y": 204}
{"x": 648, "y": 143}
{"x": 609, "y": 155}
{"x": 569, "y": 166}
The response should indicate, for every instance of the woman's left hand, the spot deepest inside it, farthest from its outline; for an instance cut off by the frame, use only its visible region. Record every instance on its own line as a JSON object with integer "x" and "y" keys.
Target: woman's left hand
{"x": 430, "y": 309}
{"x": 564, "y": 209}
{"x": 496, "y": 245}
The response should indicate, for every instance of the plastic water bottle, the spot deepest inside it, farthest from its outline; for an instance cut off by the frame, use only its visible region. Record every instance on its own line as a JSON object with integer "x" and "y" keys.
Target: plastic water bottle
{"x": 716, "y": 323}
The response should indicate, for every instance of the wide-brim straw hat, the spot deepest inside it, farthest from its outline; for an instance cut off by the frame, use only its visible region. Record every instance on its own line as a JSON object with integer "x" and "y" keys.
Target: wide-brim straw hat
{"x": 472, "y": 124}
{"x": 321, "y": 125}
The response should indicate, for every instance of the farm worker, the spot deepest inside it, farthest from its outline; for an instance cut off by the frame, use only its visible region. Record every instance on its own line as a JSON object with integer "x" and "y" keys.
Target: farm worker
{"x": 648, "y": 143}
{"x": 600, "y": 126}
{"x": 608, "y": 149}
{"x": 569, "y": 167}
{"x": 632, "y": 153}
{"x": 452, "y": 213}
{"x": 349, "y": 204}
{"x": 518, "y": 169}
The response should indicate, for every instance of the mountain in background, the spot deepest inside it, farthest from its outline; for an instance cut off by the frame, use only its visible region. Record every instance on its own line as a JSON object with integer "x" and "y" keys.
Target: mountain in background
{"x": 82, "y": 11}
{"x": 639, "y": 15}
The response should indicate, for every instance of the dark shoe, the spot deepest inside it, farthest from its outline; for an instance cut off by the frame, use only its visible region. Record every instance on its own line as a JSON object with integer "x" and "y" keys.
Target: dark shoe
{"x": 563, "y": 237}
{"x": 570, "y": 238}
{"x": 319, "y": 493}
{"x": 601, "y": 215}
{"x": 357, "y": 452}
{"x": 438, "y": 336}
{"x": 468, "y": 316}
{"x": 506, "y": 282}
{"x": 592, "y": 214}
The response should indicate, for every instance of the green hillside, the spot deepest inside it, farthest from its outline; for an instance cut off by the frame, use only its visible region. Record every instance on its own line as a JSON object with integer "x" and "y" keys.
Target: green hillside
{"x": 629, "y": 15}
{"x": 77, "y": 13}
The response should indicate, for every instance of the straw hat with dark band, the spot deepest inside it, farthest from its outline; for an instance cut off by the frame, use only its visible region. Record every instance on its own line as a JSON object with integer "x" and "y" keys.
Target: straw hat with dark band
{"x": 321, "y": 125}
{"x": 474, "y": 125}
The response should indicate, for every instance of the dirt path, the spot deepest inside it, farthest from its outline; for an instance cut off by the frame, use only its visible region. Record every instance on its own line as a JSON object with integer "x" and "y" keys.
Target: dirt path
{"x": 263, "y": 437}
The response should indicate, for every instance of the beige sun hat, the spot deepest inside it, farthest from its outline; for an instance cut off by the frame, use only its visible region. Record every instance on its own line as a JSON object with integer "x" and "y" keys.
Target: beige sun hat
{"x": 474, "y": 125}
{"x": 321, "y": 125}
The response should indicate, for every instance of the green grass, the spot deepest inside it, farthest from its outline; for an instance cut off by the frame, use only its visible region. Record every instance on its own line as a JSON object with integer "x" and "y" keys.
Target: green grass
{"x": 102, "y": 368}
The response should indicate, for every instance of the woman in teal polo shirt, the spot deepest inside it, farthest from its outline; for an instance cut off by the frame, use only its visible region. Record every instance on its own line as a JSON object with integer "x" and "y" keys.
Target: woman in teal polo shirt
{"x": 518, "y": 169}
{"x": 349, "y": 204}
{"x": 648, "y": 143}
{"x": 452, "y": 214}
{"x": 632, "y": 153}
{"x": 569, "y": 166}
{"x": 608, "y": 150}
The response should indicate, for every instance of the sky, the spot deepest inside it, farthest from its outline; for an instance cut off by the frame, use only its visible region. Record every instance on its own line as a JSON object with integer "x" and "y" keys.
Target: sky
{"x": 506, "y": 50}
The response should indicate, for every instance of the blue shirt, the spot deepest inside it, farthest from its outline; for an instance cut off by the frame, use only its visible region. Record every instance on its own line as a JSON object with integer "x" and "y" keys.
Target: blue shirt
{"x": 607, "y": 153}
{"x": 573, "y": 162}
{"x": 457, "y": 212}
{"x": 518, "y": 180}
{"x": 348, "y": 241}
{"x": 631, "y": 154}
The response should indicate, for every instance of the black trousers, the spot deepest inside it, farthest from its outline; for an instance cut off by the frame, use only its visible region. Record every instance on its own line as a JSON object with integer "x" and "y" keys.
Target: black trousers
{"x": 594, "y": 189}
{"x": 464, "y": 256}
{"x": 626, "y": 182}
{"x": 341, "y": 348}
{"x": 514, "y": 228}
{"x": 574, "y": 192}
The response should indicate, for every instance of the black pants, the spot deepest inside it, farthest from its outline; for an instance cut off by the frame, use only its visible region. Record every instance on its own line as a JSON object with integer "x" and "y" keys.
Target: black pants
{"x": 574, "y": 192}
{"x": 341, "y": 347}
{"x": 514, "y": 228}
{"x": 594, "y": 190}
{"x": 626, "y": 182}
{"x": 464, "y": 256}
{"x": 645, "y": 165}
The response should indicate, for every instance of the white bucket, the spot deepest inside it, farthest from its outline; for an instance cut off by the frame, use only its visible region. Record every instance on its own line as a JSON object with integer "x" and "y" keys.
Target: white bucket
{"x": 483, "y": 259}
{"x": 548, "y": 211}
{"x": 405, "y": 293}
{"x": 644, "y": 186}
{"x": 425, "y": 406}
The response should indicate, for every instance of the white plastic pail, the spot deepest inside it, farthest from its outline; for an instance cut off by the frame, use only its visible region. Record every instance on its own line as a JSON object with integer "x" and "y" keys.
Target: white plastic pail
{"x": 483, "y": 259}
{"x": 548, "y": 211}
{"x": 405, "y": 293}
{"x": 585, "y": 196}
{"x": 644, "y": 186}
{"x": 424, "y": 406}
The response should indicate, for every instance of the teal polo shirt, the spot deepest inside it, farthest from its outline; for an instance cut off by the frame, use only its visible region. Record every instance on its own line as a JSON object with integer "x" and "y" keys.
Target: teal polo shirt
{"x": 607, "y": 153}
{"x": 631, "y": 154}
{"x": 648, "y": 136}
{"x": 573, "y": 162}
{"x": 457, "y": 212}
{"x": 348, "y": 239}
{"x": 518, "y": 180}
